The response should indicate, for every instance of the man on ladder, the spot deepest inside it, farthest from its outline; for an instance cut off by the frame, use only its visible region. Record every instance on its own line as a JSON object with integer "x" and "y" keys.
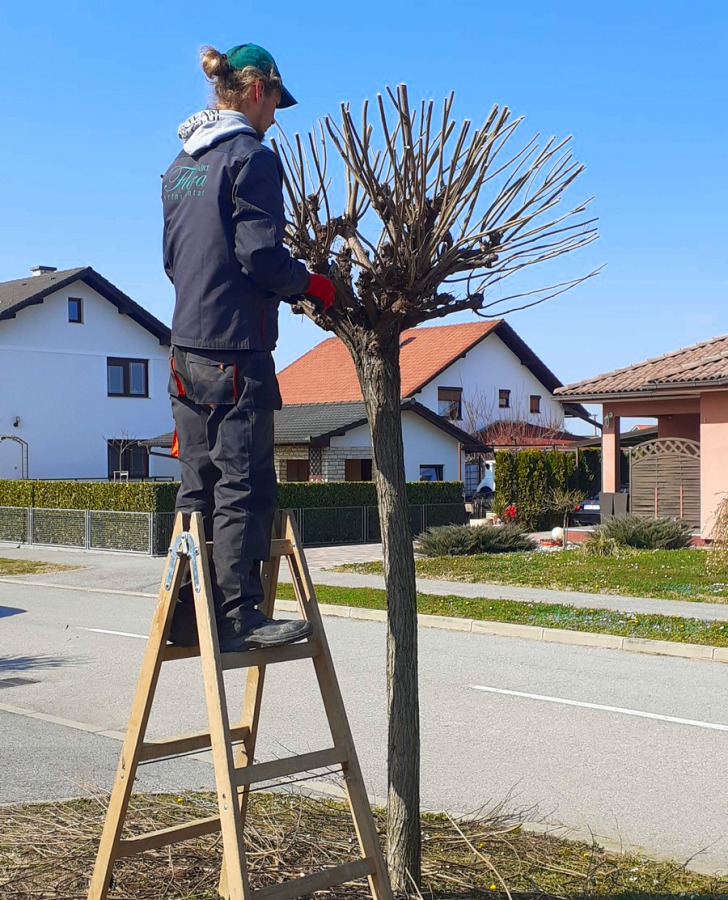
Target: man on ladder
{"x": 223, "y": 250}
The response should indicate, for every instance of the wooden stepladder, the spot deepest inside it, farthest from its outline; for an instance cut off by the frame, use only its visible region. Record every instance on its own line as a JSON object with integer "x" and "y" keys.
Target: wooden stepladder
{"x": 235, "y": 769}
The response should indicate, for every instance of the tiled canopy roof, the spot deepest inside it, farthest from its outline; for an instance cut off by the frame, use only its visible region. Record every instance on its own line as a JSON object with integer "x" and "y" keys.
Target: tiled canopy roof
{"x": 702, "y": 365}
{"x": 523, "y": 434}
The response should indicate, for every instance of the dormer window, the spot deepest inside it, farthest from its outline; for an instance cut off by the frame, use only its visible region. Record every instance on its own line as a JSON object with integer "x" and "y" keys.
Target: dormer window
{"x": 75, "y": 310}
{"x": 450, "y": 403}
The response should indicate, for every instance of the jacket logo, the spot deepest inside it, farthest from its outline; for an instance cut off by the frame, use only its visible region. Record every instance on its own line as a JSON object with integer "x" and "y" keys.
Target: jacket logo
{"x": 186, "y": 181}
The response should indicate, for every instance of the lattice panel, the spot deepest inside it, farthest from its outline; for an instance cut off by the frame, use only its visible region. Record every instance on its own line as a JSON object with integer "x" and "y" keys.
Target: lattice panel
{"x": 666, "y": 479}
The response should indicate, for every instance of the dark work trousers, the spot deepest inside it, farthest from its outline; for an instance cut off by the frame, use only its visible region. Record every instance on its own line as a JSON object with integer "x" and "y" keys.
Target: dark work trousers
{"x": 223, "y": 403}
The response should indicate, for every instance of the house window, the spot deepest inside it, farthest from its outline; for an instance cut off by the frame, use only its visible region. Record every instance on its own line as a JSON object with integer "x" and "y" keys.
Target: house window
{"x": 504, "y": 399}
{"x": 126, "y": 456}
{"x": 127, "y": 377}
{"x": 297, "y": 470}
{"x": 358, "y": 470}
{"x": 430, "y": 473}
{"x": 450, "y": 403}
{"x": 75, "y": 310}
{"x": 535, "y": 403}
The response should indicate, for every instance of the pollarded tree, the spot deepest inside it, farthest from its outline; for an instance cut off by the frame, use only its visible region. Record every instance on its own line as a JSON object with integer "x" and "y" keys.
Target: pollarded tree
{"x": 429, "y": 220}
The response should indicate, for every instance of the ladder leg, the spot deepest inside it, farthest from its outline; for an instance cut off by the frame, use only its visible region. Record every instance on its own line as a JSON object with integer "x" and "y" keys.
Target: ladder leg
{"x": 338, "y": 723}
{"x": 222, "y": 751}
{"x": 138, "y": 720}
{"x": 252, "y": 705}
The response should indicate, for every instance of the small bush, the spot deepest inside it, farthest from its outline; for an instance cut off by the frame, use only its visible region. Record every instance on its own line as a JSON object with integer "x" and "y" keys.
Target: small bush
{"x": 467, "y": 540}
{"x": 647, "y": 534}
{"x": 600, "y": 544}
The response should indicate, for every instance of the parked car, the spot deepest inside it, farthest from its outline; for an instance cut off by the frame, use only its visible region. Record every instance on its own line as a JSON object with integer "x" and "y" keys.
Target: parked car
{"x": 587, "y": 512}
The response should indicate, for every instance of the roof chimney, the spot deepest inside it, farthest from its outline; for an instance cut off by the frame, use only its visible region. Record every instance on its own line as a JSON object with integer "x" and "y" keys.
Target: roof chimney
{"x": 42, "y": 270}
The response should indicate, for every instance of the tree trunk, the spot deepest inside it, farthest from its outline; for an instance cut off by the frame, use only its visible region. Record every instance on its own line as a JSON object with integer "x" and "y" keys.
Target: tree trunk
{"x": 377, "y": 364}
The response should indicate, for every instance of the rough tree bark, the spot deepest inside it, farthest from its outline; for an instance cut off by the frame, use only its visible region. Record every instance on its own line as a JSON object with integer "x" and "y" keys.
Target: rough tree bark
{"x": 379, "y": 376}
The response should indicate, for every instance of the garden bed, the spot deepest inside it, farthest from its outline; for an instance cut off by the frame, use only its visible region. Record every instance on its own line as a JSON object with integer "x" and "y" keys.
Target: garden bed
{"x": 47, "y": 852}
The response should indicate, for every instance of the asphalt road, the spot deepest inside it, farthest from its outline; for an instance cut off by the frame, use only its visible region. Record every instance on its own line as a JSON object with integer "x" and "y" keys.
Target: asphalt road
{"x": 631, "y": 748}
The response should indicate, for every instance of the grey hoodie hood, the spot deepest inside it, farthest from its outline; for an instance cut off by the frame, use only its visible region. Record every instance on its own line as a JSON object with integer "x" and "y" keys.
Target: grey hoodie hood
{"x": 210, "y": 126}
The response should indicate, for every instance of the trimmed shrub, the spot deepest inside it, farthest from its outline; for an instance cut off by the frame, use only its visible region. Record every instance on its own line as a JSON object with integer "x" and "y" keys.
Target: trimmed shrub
{"x": 16, "y": 493}
{"x": 646, "y": 534}
{"x": 312, "y": 494}
{"x": 467, "y": 540}
{"x": 147, "y": 496}
{"x": 133, "y": 496}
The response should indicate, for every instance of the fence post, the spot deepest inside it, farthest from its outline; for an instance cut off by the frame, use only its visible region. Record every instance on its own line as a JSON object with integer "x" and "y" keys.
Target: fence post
{"x": 31, "y": 524}
{"x": 87, "y": 520}
{"x": 151, "y": 534}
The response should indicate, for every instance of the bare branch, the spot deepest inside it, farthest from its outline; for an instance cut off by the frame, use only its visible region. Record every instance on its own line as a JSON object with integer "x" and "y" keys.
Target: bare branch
{"x": 430, "y": 224}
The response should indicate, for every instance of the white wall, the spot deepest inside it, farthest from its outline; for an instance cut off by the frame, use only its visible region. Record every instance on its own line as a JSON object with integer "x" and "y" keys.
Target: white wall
{"x": 487, "y": 368}
{"x": 424, "y": 444}
{"x": 53, "y": 377}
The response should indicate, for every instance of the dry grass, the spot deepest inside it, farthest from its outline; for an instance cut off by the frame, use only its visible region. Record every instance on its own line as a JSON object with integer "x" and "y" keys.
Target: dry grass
{"x": 47, "y": 851}
{"x": 718, "y": 553}
{"x": 31, "y": 567}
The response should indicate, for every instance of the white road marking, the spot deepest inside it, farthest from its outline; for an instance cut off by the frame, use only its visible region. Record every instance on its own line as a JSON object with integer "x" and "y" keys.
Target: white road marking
{"x": 143, "y": 637}
{"x": 615, "y": 709}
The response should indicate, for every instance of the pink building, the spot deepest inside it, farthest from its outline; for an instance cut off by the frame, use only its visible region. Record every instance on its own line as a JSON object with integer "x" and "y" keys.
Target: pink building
{"x": 684, "y": 471}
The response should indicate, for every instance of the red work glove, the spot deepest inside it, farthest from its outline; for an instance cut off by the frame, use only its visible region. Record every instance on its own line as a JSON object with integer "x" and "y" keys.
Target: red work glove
{"x": 322, "y": 288}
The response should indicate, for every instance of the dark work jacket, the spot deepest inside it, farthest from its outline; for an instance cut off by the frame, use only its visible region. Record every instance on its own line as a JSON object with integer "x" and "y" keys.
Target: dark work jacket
{"x": 223, "y": 246}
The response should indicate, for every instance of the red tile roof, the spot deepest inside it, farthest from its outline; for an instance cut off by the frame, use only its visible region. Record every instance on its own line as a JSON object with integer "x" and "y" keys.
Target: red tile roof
{"x": 510, "y": 434}
{"x": 705, "y": 363}
{"x": 326, "y": 373}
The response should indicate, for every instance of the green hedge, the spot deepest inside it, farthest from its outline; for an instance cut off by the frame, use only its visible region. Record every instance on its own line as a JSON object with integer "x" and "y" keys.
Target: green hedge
{"x": 526, "y": 477}
{"x": 16, "y": 493}
{"x": 135, "y": 496}
{"x": 147, "y": 496}
{"x": 312, "y": 494}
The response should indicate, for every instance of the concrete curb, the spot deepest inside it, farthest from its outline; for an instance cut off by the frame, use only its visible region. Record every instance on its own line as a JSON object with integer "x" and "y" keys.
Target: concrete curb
{"x": 474, "y": 626}
{"x": 704, "y": 652}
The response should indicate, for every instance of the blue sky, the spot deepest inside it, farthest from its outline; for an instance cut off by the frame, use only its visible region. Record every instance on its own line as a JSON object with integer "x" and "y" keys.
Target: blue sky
{"x": 93, "y": 94}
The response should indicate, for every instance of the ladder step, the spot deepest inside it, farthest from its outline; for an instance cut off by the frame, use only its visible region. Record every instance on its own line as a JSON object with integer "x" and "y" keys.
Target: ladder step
{"x": 291, "y": 765}
{"x": 248, "y": 658}
{"x": 319, "y": 881}
{"x": 186, "y": 743}
{"x": 154, "y": 839}
{"x": 288, "y": 653}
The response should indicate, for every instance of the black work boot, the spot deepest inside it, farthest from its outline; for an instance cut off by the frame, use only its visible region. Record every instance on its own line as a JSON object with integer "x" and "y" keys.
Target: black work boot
{"x": 235, "y": 636}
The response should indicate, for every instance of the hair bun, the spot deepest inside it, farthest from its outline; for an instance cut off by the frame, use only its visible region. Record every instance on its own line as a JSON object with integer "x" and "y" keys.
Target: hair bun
{"x": 214, "y": 63}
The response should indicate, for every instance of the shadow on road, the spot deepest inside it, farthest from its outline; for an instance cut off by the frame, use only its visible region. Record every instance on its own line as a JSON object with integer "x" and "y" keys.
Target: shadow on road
{"x": 25, "y": 663}
{"x": 6, "y": 611}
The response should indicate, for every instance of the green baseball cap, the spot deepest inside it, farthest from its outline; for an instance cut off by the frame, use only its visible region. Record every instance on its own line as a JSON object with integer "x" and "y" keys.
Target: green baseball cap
{"x": 252, "y": 55}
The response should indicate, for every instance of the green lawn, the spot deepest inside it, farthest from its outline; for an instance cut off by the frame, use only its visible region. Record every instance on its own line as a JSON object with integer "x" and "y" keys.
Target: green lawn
{"x": 30, "y": 567}
{"x": 547, "y": 615}
{"x": 665, "y": 574}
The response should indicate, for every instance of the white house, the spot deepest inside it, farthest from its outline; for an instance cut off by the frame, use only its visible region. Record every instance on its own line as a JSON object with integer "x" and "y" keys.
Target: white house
{"x": 84, "y": 373}
{"x": 454, "y": 377}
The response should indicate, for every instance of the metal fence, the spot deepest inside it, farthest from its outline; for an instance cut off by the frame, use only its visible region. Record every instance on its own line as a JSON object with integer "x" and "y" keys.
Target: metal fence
{"x": 150, "y": 533}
